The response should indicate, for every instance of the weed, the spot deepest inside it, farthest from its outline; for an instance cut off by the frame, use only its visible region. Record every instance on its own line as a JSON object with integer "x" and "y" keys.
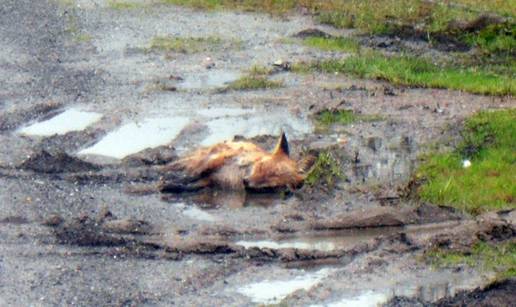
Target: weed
{"x": 489, "y": 141}
{"x": 326, "y": 171}
{"x": 499, "y": 258}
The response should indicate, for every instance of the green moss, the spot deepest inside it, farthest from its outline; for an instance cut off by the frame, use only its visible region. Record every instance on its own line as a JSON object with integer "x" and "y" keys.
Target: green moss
{"x": 188, "y": 44}
{"x": 345, "y": 44}
{"x": 326, "y": 171}
{"x": 499, "y": 258}
{"x": 489, "y": 141}
{"x": 418, "y": 72}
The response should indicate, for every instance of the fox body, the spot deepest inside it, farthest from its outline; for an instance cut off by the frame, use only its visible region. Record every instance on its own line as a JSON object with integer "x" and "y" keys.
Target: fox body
{"x": 236, "y": 166}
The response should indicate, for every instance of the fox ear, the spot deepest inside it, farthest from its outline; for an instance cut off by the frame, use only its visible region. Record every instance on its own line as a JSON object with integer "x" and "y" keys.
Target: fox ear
{"x": 306, "y": 164}
{"x": 281, "y": 146}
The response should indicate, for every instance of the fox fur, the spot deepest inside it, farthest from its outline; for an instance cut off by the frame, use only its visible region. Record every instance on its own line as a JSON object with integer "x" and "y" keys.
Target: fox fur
{"x": 237, "y": 166}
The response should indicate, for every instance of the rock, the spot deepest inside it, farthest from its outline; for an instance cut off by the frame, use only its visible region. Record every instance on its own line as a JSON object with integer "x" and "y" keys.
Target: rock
{"x": 312, "y": 33}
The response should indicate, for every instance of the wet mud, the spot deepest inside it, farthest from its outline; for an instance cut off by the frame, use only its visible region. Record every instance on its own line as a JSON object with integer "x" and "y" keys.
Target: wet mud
{"x": 86, "y": 129}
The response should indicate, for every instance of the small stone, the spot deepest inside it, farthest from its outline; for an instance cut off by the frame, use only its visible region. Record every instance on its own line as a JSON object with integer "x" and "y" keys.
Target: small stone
{"x": 466, "y": 163}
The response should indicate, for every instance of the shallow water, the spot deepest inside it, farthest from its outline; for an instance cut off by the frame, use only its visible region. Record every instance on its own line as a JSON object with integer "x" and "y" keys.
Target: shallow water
{"x": 263, "y": 123}
{"x": 208, "y": 80}
{"x": 69, "y": 120}
{"x": 198, "y": 214}
{"x": 134, "y": 137}
{"x": 273, "y": 291}
{"x": 323, "y": 240}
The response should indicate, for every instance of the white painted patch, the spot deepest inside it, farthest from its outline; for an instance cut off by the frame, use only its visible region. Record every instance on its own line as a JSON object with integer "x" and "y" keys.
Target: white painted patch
{"x": 322, "y": 246}
{"x": 69, "y": 120}
{"x": 134, "y": 137}
{"x": 271, "y": 292}
{"x": 198, "y": 214}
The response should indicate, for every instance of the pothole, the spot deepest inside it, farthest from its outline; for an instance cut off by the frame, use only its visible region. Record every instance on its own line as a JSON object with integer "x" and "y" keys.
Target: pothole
{"x": 69, "y": 120}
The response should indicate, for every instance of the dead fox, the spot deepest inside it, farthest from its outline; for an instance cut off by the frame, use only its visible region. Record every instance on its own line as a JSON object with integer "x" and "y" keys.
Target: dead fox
{"x": 237, "y": 166}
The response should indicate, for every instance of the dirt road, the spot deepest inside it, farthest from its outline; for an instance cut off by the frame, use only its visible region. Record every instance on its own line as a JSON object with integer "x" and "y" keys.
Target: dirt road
{"x": 82, "y": 95}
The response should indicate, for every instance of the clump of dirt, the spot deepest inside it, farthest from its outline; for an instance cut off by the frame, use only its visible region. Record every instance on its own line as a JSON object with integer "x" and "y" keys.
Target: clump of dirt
{"x": 14, "y": 119}
{"x": 152, "y": 156}
{"x": 60, "y": 162}
{"x": 312, "y": 32}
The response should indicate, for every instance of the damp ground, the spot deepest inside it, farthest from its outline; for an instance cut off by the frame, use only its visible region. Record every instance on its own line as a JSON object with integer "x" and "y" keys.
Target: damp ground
{"x": 89, "y": 112}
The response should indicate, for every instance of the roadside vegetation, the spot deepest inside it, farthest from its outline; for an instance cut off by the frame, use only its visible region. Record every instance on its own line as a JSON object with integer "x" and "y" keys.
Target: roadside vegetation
{"x": 418, "y": 72}
{"x": 489, "y": 144}
{"x": 487, "y": 26}
{"x": 499, "y": 258}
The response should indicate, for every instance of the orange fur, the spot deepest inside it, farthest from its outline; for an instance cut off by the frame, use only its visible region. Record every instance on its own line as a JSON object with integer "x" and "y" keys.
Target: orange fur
{"x": 238, "y": 166}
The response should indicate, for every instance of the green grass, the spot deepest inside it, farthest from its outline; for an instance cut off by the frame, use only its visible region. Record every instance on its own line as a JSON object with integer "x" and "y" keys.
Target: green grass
{"x": 188, "y": 44}
{"x": 489, "y": 141}
{"x": 124, "y": 5}
{"x": 326, "y": 171}
{"x": 417, "y": 72}
{"x": 344, "y": 44}
{"x": 327, "y": 118}
{"x": 253, "y": 82}
{"x": 499, "y": 258}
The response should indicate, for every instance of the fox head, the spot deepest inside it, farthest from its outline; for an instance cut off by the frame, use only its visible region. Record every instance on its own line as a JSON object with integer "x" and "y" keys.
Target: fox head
{"x": 278, "y": 170}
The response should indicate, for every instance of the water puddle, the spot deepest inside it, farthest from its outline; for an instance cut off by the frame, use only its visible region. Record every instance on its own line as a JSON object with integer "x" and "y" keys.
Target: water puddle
{"x": 272, "y": 292}
{"x": 134, "y": 137}
{"x": 427, "y": 287}
{"x": 69, "y": 120}
{"x": 267, "y": 123}
{"x": 198, "y": 214}
{"x": 209, "y": 80}
{"x": 323, "y": 241}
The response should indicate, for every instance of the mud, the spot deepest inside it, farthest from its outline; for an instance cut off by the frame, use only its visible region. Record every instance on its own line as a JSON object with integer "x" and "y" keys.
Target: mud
{"x": 82, "y": 222}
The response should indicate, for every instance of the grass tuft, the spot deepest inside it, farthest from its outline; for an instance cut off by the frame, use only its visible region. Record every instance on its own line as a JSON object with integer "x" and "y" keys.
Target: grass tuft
{"x": 489, "y": 141}
{"x": 253, "y": 82}
{"x": 344, "y": 44}
{"x": 326, "y": 171}
{"x": 187, "y": 44}
{"x": 499, "y": 258}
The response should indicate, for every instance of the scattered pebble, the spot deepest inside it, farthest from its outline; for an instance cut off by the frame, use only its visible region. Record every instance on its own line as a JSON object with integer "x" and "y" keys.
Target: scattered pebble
{"x": 466, "y": 163}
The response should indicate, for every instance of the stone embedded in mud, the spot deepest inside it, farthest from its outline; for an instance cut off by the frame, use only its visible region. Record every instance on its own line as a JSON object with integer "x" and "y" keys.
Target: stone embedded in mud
{"x": 45, "y": 162}
{"x": 69, "y": 120}
{"x": 375, "y": 217}
{"x": 312, "y": 33}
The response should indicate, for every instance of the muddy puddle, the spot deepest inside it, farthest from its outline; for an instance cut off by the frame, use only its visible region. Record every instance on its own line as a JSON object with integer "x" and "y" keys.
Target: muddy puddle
{"x": 208, "y": 80}
{"x": 70, "y": 120}
{"x": 429, "y": 288}
{"x": 323, "y": 240}
{"x": 273, "y": 291}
